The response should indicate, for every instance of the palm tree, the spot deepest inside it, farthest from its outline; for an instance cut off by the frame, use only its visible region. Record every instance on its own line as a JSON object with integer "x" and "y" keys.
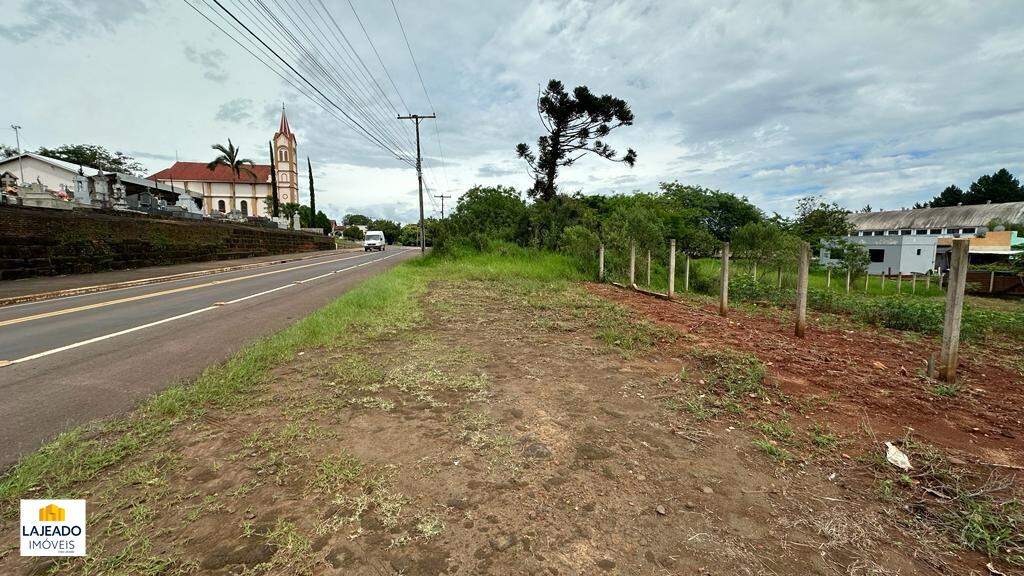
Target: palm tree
{"x": 229, "y": 157}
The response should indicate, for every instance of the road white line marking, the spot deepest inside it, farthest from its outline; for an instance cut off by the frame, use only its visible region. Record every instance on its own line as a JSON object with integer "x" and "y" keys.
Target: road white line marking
{"x": 148, "y": 295}
{"x": 180, "y": 316}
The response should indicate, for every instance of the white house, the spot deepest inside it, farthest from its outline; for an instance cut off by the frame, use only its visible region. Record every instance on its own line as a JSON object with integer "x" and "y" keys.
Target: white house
{"x": 53, "y": 174}
{"x": 894, "y": 254}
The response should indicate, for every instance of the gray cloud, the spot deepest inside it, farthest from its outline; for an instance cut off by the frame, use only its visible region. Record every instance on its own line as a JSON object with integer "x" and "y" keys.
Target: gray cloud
{"x": 64, "y": 21}
{"x": 235, "y": 110}
{"x": 211, "y": 62}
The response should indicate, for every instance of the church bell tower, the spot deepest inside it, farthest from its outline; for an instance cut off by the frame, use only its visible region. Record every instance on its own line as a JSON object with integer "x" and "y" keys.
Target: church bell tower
{"x": 286, "y": 161}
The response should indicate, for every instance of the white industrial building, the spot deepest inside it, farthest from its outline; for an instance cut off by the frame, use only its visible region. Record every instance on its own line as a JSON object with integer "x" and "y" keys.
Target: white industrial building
{"x": 918, "y": 241}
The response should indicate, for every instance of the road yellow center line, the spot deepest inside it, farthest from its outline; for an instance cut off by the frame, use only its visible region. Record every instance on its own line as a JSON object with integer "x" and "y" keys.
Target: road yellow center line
{"x": 161, "y": 293}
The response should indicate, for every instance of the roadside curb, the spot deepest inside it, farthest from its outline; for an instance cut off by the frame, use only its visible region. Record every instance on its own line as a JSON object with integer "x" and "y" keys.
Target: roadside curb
{"x": 146, "y": 281}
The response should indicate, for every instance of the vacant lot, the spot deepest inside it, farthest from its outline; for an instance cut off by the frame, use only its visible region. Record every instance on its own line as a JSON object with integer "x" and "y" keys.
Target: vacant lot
{"x": 489, "y": 416}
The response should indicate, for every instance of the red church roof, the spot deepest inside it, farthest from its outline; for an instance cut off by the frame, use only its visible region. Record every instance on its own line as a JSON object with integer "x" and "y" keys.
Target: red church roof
{"x": 197, "y": 171}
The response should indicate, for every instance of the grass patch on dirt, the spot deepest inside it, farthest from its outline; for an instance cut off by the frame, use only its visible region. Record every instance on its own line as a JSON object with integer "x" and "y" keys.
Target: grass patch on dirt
{"x": 731, "y": 371}
{"x": 382, "y": 306}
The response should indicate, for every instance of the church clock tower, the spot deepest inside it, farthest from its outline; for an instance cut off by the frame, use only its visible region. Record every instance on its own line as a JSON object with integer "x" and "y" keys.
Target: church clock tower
{"x": 286, "y": 162}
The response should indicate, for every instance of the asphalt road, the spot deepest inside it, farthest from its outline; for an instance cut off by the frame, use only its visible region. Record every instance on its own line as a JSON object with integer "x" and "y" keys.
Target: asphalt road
{"x": 84, "y": 357}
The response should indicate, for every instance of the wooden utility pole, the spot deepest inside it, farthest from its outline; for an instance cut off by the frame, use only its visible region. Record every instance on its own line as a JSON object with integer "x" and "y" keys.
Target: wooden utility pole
{"x": 671, "y": 268}
{"x": 442, "y": 197}
{"x": 632, "y": 263}
{"x": 600, "y": 263}
{"x": 723, "y": 294}
{"x": 948, "y": 355}
{"x": 419, "y": 174}
{"x": 801, "y": 288}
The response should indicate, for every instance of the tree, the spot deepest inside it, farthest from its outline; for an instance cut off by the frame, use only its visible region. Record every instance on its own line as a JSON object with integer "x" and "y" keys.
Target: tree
{"x": 308, "y": 220}
{"x": 817, "y": 220}
{"x": 951, "y": 196}
{"x": 312, "y": 195}
{"x": 410, "y": 235}
{"x": 491, "y": 211}
{"x": 7, "y": 151}
{"x": 575, "y": 125}
{"x": 355, "y": 220}
{"x": 717, "y": 212}
{"x": 854, "y": 257}
{"x": 94, "y": 156}
{"x": 289, "y": 210}
{"x": 274, "y": 206}
{"x": 763, "y": 242}
{"x": 352, "y": 233}
{"x": 390, "y": 229}
{"x": 229, "y": 157}
{"x": 866, "y": 208}
{"x": 999, "y": 187}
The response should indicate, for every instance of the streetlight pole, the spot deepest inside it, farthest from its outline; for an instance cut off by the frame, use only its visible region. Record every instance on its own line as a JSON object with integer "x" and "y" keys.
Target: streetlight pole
{"x": 17, "y": 142}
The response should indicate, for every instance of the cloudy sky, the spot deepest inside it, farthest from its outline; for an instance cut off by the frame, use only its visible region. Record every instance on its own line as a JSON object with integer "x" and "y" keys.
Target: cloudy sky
{"x": 862, "y": 102}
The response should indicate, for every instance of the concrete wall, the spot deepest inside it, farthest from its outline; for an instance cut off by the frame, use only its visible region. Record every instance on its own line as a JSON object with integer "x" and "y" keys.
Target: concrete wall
{"x": 43, "y": 242}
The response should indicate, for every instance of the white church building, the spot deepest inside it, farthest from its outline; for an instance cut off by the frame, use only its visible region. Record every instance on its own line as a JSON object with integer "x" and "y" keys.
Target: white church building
{"x": 224, "y": 192}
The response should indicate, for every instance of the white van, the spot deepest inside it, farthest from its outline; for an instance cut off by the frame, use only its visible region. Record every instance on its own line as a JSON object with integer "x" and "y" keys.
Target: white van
{"x": 374, "y": 240}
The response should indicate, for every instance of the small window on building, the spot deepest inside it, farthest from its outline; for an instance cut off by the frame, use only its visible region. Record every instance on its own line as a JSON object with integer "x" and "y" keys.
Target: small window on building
{"x": 282, "y": 154}
{"x": 935, "y": 231}
{"x": 876, "y": 254}
{"x": 877, "y": 233}
{"x": 905, "y": 232}
{"x": 284, "y": 176}
{"x": 245, "y": 212}
{"x": 922, "y": 231}
{"x": 968, "y": 230}
{"x": 220, "y": 206}
{"x": 918, "y": 251}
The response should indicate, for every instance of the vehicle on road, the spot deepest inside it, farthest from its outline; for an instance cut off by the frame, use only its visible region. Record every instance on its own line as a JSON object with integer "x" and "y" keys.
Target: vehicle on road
{"x": 374, "y": 240}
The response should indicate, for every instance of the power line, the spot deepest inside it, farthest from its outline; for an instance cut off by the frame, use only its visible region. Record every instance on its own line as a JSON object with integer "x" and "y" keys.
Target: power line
{"x": 368, "y": 134}
{"x": 379, "y": 59}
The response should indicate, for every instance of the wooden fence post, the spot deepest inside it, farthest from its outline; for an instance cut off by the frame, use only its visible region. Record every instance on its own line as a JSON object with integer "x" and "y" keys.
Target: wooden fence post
{"x": 755, "y": 271}
{"x": 802, "y": 273}
{"x": 991, "y": 281}
{"x": 882, "y": 276}
{"x": 899, "y": 282}
{"x": 867, "y": 277}
{"x": 600, "y": 263}
{"x": 632, "y": 264}
{"x": 913, "y": 282}
{"x": 780, "y": 276}
{"x": 686, "y": 275}
{"x": 940, "y": 280}
{"x": 671, "y": 268}
{"x": 828, "y": 277}
{"x": 648, "y": 268}
{"x": 928, "y": 282}
{"x": 948, "y": 356}
{"x": 849, "y": 274}
{"x": 723, "y": 293}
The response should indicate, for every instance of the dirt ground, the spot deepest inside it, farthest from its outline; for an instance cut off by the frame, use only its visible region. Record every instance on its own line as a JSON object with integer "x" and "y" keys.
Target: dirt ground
{"x": 525, "y": 430}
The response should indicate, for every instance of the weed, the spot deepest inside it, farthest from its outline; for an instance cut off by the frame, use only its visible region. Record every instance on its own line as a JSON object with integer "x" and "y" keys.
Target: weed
{"x": 779, "y": 430}
{"x": 780, "y": 455}
{"x": 947, "y": 390}
{"x": 429, "y": 526}
{"x": 335, "y": 471}
{"x": 735, "y": 372}
{"x": 822, "y": 437}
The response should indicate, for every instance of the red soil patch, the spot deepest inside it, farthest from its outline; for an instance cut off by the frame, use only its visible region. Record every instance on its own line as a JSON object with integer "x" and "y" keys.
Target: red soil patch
{"x": 868, "y": 375}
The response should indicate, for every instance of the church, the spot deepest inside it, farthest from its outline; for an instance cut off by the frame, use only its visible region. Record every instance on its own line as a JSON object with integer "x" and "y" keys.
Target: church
{"x": 224, "y": 192}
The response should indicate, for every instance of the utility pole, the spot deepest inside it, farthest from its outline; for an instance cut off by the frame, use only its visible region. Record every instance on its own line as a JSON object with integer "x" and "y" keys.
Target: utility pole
{"x": 419, "y": 174}
{"x": 17, "y": 142}
{"x": 442, "y": 197}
